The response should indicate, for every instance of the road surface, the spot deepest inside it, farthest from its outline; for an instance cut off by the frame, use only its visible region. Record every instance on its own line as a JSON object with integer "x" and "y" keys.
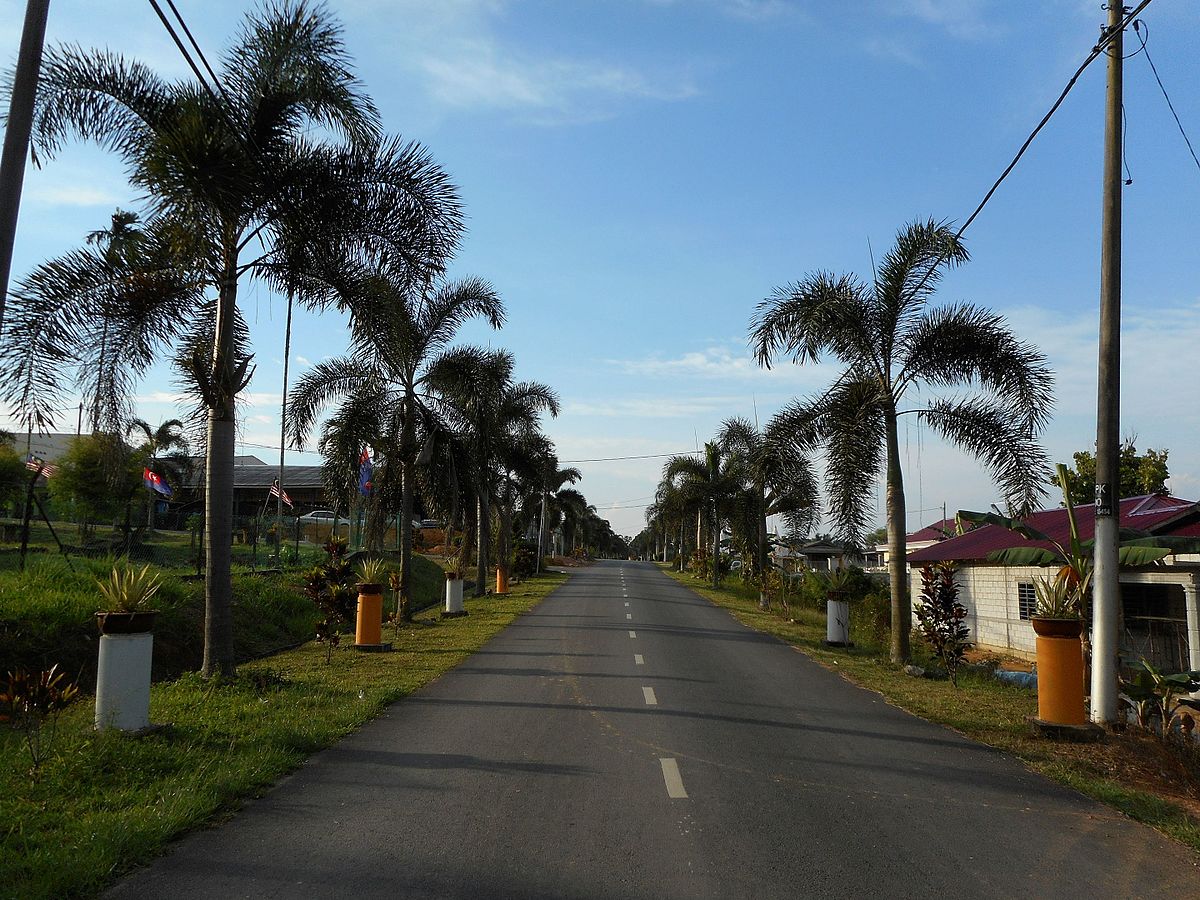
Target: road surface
{"x": 627, "y": 738}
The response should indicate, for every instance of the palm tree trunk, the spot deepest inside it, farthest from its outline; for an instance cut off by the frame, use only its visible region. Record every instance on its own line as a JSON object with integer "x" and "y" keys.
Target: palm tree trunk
{"x": 482, "y": 540}
{"x": 716, "y": 546}
{"x": 761, "y": 562}
{"x": 218, "y": 491}
{"x": 407, "y": 474}
{"x": 897, "y": 568}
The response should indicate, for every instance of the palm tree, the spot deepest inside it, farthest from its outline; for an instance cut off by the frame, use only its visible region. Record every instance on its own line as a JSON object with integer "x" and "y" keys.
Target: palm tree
{"x": 118, "y": 247}
{"x": 780, "y": 482}
{"x": 711, "y": 483}
{"x": 486, "y": 408}
{"x": 400, "y": 337}
{"x": 222, "y": 171}
{"x": 891, "y": 344}
{"x": 167, "y": 438}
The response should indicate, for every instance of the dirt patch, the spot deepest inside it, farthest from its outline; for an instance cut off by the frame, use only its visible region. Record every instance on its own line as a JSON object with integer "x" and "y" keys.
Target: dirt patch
{"x": 570, "y": 562}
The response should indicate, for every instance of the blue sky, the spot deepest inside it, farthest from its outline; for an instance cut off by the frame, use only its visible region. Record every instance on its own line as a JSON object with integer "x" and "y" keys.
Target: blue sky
{"x": 639, "y": 173}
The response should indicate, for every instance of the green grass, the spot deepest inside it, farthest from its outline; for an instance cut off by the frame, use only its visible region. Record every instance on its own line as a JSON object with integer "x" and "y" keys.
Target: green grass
{"x": 46, "y": 613}
{"x": 105, "y": 802}
{"x": 1131, "y": 772}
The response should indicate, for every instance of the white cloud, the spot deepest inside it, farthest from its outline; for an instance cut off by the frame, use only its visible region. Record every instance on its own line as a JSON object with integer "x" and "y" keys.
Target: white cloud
{"x": 72, "y": 195}
{"x": 646, "y": 407}
{"x": 748, "y": 10}
{"x": 254, "y": 398}
{"x": 894, "y": 49}
{"x": 303, "y": 361}
{"x": 479, "y": 73}
{"x": 964, "y": 19}
{"x": 726, "y": 361}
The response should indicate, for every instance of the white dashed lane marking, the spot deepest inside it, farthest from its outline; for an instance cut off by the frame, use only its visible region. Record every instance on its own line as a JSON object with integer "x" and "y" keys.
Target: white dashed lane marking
{"x": 648, "y": 693}
{"x": 674, "y": 780}
{"x": 638, "y": 659}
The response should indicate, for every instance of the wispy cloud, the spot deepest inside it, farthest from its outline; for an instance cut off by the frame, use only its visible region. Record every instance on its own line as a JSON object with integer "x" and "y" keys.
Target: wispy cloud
{"x": 723, "y": 361}
{"x": 963, "y": 19}
{"x": 480, "y": 74}
{"x": 895, "y": 50}
{"x": 646, "y": 407}
{"x": 73, "y": 195}
{"x": 747, "y": 10}
{"x": 464, "y": 59}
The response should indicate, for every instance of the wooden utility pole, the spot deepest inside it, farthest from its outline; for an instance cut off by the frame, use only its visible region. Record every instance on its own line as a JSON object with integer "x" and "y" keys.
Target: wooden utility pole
{"x": 16, "y": 135}
{"x": 1106, "y": 595}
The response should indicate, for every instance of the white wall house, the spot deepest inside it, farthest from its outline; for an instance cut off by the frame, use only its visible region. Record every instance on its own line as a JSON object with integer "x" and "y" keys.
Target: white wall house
{"x": 1161, "y": 603}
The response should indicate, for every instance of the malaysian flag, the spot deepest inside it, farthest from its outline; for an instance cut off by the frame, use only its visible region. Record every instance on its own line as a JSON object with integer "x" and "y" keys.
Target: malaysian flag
{"x": 33, "y": 463}
{"x": 277, "y": 491}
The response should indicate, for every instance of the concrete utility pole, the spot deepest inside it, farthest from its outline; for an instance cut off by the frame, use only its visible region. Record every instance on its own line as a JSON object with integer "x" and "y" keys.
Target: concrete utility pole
{"x": 16, "y": 135}
{"x": 1106, "y": 595}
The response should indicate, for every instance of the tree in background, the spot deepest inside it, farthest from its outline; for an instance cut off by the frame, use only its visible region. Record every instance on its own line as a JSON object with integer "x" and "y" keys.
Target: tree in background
{"x": 779, "y": 482}
{"x": 100, "y": 475}
{"x": 164, "y": 450}
{"x": 1140, "y": 474}
{"x": 891, "y": 345}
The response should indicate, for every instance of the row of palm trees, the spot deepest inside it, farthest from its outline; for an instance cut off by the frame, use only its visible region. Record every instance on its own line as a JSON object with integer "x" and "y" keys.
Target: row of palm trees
{"x": 279, "y": 171}
{"x": 899, "y": 354}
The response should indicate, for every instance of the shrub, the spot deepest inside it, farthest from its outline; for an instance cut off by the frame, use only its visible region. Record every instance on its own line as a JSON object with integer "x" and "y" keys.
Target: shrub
{"x": 942, "y": 618}
{"x": 29, "y": 701}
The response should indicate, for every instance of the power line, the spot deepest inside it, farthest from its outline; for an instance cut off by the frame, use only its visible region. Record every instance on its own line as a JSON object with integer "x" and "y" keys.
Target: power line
{"x": 1170, "y": 105}
{"x": 618, "y": 458}
{"x": 1096, "y": 51}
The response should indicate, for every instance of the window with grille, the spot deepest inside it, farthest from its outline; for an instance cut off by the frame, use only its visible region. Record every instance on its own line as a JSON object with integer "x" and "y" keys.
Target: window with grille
{"x": 1026, "y": 600}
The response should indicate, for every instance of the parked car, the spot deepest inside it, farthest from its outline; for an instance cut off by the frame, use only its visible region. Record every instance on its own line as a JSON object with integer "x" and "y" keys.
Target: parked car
{"x": 319, "y": 517}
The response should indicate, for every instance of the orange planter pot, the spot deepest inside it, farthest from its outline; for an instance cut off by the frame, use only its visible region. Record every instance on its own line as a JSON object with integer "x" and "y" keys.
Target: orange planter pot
{"x": 369, "y": 625}
{"x": 1060, "y": 671}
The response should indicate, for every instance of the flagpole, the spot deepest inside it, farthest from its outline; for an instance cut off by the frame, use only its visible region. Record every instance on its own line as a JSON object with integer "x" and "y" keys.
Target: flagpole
{"x": 287, "y": 352}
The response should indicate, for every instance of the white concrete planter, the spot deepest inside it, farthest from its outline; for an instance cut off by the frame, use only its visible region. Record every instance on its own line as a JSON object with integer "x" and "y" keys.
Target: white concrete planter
{"x": 837, "y": 622}
{"x": 454, "y": 596}
{"x": 123, "y": 681}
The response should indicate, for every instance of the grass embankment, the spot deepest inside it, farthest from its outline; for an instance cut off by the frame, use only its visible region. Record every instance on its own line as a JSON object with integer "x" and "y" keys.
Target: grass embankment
{"x": 46, "y": 614}
{"x": 1131, "y": 771}
{"x": 105, "y": 803}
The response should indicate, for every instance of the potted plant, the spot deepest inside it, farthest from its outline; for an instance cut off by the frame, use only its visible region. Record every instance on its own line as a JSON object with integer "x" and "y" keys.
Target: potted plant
{"x": 837, "y": 608}
{"x": 126, "y": 649}
{"x": 369, "y": 623}
{"x": 1058, "y": 624}
{"x": 127, "y": 593}
{"x": 454, "y": 586}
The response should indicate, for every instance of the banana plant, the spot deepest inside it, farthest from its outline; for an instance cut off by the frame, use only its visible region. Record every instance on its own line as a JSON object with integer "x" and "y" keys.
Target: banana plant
{"x": 1151, "y": 692}
{"x": 1137, "y": 548}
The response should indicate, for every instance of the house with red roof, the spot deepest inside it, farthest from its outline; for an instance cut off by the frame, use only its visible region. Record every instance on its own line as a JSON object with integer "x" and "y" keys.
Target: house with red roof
{"x": 1161, "y": 612}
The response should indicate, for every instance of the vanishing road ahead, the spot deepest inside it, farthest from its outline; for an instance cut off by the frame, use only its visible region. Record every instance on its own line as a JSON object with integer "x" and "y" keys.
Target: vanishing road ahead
{"x": 628, "y": 739}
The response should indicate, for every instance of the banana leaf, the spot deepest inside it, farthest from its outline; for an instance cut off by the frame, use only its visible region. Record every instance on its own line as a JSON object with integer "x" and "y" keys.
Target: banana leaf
{"x": 987, "y": 518}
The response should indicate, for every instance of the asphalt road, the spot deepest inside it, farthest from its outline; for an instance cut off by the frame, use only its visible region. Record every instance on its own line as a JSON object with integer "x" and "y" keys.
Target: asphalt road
{"x": 629, "y": 739}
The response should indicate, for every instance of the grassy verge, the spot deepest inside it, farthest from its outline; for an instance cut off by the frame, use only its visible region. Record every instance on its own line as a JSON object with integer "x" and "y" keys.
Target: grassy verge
{"x": 46, "y": 614}
{"x": 105, "y": 803}
{"x": 1133, "y": 772}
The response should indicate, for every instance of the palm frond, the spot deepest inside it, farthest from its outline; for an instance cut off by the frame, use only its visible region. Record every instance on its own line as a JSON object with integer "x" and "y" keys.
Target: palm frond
{"x": 912, "y": 269}
{"x": 345, "y": 377}
{"x": 822, "y": 313}
{"x": 961, "y": 344}
{"x": 992, "y": 433}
